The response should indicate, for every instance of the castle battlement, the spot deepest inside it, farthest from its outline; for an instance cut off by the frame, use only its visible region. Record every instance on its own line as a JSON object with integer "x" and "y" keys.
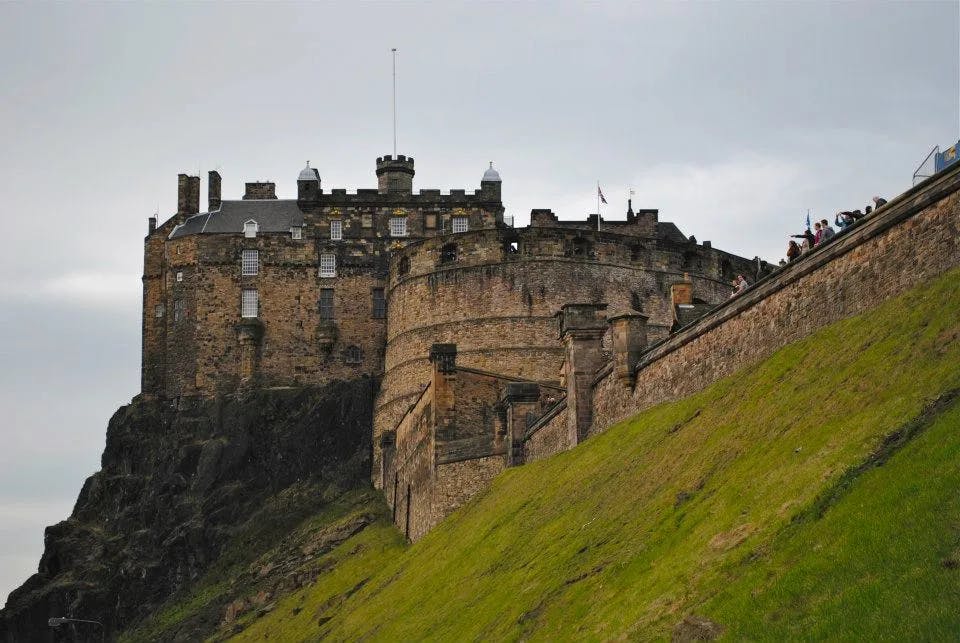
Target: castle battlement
{"x": 487, "y": 406}
{"x": 265, "y": 291}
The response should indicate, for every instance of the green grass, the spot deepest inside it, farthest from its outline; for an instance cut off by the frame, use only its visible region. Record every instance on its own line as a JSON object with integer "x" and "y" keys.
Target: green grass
{"x": 772, "y": 503}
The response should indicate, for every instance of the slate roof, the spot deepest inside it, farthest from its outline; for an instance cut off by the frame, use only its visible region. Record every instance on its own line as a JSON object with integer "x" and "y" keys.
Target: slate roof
{"x": 670, "y": 232}
{"x": 271, "y": 215}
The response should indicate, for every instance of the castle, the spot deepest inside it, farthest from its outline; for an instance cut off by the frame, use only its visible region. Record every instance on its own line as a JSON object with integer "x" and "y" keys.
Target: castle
{"x": 453, "y": 310}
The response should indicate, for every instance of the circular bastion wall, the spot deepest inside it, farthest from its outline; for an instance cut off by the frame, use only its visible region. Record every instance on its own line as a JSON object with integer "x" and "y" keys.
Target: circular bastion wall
{"x": 495, "y": 292}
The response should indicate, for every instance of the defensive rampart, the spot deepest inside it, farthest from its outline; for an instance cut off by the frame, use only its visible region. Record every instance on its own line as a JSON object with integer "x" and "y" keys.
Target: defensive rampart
{"x": 494, "y": 293}
{"x": 914, "y": 238}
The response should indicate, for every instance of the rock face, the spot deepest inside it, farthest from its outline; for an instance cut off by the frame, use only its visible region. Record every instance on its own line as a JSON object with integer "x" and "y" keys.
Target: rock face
{"x": 178, "y": 481}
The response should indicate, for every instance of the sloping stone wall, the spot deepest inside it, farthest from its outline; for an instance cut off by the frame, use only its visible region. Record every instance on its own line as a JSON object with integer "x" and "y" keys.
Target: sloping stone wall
{"x": 912, "y": 239}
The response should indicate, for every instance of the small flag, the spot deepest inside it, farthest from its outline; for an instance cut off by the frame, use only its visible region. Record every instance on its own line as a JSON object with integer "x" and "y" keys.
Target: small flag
{"x": 600, "y": 194}
{"x": 808, "y": 219}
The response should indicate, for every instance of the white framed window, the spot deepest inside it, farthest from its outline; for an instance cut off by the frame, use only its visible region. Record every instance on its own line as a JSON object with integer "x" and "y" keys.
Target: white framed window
{"x": 336, "y": 229}
{"x": 249, "y": 303}
{"x": 179, "y": 276}
{"x": 250, "y": 229}
{"x": 328, "y": 265}
{"x": 251, "y": 262}
{"x": 179, "y": 310}
{"x": 158, "y": 311}
{"x": 398, "y": 226}
{"x": 461, "y": 224}
{"x": 296, "y": 232}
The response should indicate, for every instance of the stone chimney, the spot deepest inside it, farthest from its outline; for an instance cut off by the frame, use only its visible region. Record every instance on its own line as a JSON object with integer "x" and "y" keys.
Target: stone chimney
{"x": 629, "y": 334}
{"x": 682, "y": 291}
{"x": 582, "y": 327}
{"x": 260, "y": 190}
{"x": 213, "y": 190}
{"x": 188, "y": 194}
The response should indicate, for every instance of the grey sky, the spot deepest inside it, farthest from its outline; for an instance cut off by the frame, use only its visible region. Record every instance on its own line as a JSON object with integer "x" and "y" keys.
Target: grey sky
{"x": 732, "y": 118}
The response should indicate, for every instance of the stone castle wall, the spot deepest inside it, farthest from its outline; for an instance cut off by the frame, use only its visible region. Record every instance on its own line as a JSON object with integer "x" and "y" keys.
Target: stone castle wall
{"x": 495, "y": 292}
{"x": 194, "y": 338}
{"x": 912, "y": 239}
{"x": 548, "y": 436}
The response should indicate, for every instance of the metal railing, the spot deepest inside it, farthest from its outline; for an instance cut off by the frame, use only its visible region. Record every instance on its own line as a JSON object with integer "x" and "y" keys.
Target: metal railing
{"x": 929, "y": 166}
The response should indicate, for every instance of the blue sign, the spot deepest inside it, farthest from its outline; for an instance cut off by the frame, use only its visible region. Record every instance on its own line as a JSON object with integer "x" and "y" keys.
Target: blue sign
{"x": 947, "y": 157}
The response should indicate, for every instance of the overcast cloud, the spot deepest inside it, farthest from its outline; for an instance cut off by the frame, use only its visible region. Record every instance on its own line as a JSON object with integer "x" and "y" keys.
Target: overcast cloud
{"x": 731, "y": 118}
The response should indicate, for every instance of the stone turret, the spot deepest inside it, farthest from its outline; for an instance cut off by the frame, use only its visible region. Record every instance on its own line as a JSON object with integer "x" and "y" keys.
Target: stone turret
{"x": 490, "y": 184}
{"x": 395, "y": 175}
{"x": 308, "y": 184}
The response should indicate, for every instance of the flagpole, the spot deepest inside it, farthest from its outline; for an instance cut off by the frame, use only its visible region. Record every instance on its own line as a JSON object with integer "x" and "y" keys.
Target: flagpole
{"x": 598, "y": 205}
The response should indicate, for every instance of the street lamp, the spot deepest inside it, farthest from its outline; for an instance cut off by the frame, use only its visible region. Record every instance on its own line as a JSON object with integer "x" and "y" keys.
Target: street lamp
{"x": 57, "y": 621}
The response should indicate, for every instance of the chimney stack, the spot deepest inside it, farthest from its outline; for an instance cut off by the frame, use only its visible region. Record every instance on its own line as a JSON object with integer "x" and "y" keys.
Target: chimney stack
{"x": 681, "y": 293}
{"x": 213, "y": 190}
{"x": 188, "y": 194}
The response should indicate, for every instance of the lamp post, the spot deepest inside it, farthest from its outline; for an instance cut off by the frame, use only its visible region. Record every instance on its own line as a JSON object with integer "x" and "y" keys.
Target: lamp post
{"x": 57, "y": 621}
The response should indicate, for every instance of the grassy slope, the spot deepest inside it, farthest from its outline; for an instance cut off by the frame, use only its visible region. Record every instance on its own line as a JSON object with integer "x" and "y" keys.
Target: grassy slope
{"x": 745, "y": 504}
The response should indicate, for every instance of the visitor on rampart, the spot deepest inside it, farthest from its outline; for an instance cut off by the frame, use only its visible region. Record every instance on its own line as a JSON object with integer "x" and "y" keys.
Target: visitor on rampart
{"x": 739, "y": 285}
{"x": 826, "y": 231}
{"x": 793, "y": 250}
{"x": 843, "y": 220}
{"x": 808, "y": 240}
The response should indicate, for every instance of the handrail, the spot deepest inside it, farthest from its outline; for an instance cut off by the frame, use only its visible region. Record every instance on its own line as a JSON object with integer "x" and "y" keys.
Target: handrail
{"x": 916, "y": 172}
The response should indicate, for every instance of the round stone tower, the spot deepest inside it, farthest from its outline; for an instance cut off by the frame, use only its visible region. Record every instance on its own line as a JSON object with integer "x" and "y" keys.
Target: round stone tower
{"x": 395, "y": 175}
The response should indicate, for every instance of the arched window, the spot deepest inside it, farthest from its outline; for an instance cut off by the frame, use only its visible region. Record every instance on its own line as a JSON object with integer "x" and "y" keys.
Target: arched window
{"x": 352, "y": 355}
{"x": 403, "y": 266}
{"x": 448, "y": 253}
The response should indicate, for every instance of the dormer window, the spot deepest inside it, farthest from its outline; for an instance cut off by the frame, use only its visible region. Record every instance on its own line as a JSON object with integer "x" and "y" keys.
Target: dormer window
{"x": 296, "y": 233}
{"x": 336, "y": 230}
{"x": 250, "y": 229}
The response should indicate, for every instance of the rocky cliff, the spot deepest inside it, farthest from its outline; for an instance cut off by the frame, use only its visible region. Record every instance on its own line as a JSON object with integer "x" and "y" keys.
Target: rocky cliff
{"x": 181, "y": 481}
